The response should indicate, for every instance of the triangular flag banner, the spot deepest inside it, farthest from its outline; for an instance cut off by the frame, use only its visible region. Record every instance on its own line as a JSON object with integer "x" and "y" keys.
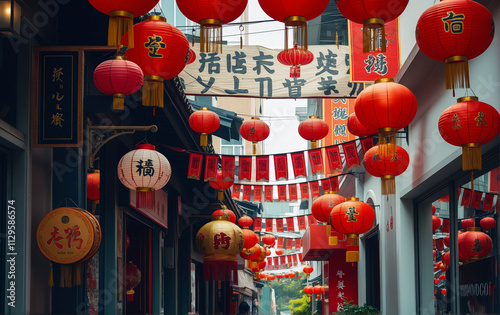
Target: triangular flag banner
{"x": 276, "y": 261}
{"x": 289, "y": 225}
{"x": 280, "y": 242}
{"x": 304, "y": 191}
{"x": 298, "y": 243}
{"x": 268, "y": 193}
{"x": 247, "y": 192}
{"x": 440, "y": 244}
{"x": 488, "y": 202}
{"x": 289, "y": 260}
{"x": 257, "y": 224}
{"x": 466, "y": 197}
{"x": 300, "y": 257}
{"x": 315, "y": 193}
{"x": 262, "y": 165}
{"x": 245, "y": 168}
{"x": 289, "y": 243}
{"x": 281, "y": 192}
{"x": 228, "y": 165}
{"x": 334, "y": 160}
{"x": 476, "y": 199}
{"x": 211, "y": 167}
{"x": 294, "y": 258}
{"x": 292, "y": 192}
{"x": 366, "y": 144}
{"x": 281, "y": 167}
{"x": 257, "y": 193}
{"x": 269, "y": 261}
{"x": 195, "y": 165}
{"x": 316, "y": 161}
{"x": 282, "y": 261}
{"x": 312, "y": 220}
{"x": 236, "y": 191}
{"x": 351, "y": 155}
{"x": 334, "y": 184}
{"x": 269, "y": 225}
{"x": 299, "y": 164}
{"x": 279, "y": 225}
{"x": 302, "y": 223}
{"x": 446, "y": 226}
{"x": 325, "y": 184}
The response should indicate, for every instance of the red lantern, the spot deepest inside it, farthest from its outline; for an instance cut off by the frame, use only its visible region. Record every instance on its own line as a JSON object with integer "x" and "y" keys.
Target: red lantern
{"x": 268, "y": 239}
{"x": 192, "y": 57}
{"x": 352, "y": 218}
{"x": 436, "y": 281}
{"x": 380, "y": 162}
{"x": 252, "y": 253}
{"x": 268, "y": 252}
{"x": 132, "y": 279}
{"x": 433, "y": 209}
{"x": 161, "y": 52}
{"x": 313, "y": 129}
{"x": 467, "y": 223}
{"x": 308, "y": 290}
{"x": 386, "y": 106}
{"x": 279, "y": 251}
{"x": 443, "y": 291}
{"x": 254, "y": 130}
{"x": 307, "y": 270}
{"x": 144, "y": 170}
{"x": 455, "y": 31}
{"x": 211, "y": 15}
{"x": 469, "y": 124}
{"x": 262, "y": 265}
{"x": 121, "y": 14}
{"x": 250, "y": 239}
{"x": 321, "y": 209}
{"x": 318, "y": 290}
{"x": 270, "y": 277}
{"x": 295, "y": 58}
{"x": 225, "y": 212}
{"x": 474, "y": 244}
{"x": 262, "y": 276}
{"x": 118, "y": 77}
{"x": 357, "y": 129}
{"x": 436, "y": 223}
{"x": 220, "y": 184}
{"x": 295, "y": 15}
{"x": 488, "y": 223}
{"x": 446, "y": 241}
{"x": 93, "y": 188}
{"x": 204, "y": 121}
{"x": 245, "y": 221}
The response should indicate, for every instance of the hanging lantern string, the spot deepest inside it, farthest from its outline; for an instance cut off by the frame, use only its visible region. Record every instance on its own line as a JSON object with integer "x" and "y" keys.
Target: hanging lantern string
{"x": 65, "y": 200}
{"x": 242, "y": 28}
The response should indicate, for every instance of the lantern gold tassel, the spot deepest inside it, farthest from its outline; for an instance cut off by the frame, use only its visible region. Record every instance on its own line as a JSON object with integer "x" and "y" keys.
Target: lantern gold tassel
{"x": 298, "y": 26}
{"x": 152, "y": 91}
{"x": 211, "y": 35}
{"x": 120, "y": 22}
{"x": 66, "y": 276}
{"x": 471, "y": 156}
{"x": 78, "y": 274}
{"x": 352, "y": 246}
{"x": 221, "y": 194}
{"x": 457, "y": 72}
{"x": 51, "y": 276}
{"x": 333, "y": 240}
{"x": 387, "y": 141}
{"x": 118, "y": 101}
{"x": 203, "y": 139}
{"x": 373, "y": 29}
{"x": 254, "y": 148}
{"x": 313, "y": 144}
{"x": 337, "y": 38}
{"x": 388, "y": 185}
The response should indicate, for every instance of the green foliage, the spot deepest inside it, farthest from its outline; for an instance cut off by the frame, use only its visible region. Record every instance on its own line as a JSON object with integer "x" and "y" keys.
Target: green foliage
{"x": 300, "y": 306}
{"x": 350, "y": 308}
{"x": 286, "y": 290}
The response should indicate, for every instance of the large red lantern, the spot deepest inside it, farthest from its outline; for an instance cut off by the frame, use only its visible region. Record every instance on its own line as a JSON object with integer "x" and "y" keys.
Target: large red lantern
{"x": 474, "y": 244}
{"x": 268, "y": 240}
{"x": 295, "y": 58}
{"x": 455, "y": 31}
{"x": 379, "y": 161}
{"x": 204, "y": 121}
{"x": 161, "y": 51}
{"x": 352, "y": 218}
{"x": 254, "y": 130}
{"x": 220, "y": 241}
{"x": 436, "y": 223}
{"x": 220, "y": 184}
{"x": 308, "y": 290}
{"x": 144, "y": 170}
{"x": 132, "y": 279}
{"x": 192, "y": 57}
{"x": 295, "y": 15}
{"x": 211, "y": 15}
{"x": 313, "y": 129}
{"x": 488, "y": 223}
{"x": 308, "y": 269}
{"x": 121, "y": 14}
{"x": 322, "y": 206}
{"x": 469, "y": 124}
{"x": 386, "y": 106}
{"x": 357, "y": 129}
{"x": 118, "y": 77}
{"x": 467, "y": 223}
{"x": 373, "y": 15}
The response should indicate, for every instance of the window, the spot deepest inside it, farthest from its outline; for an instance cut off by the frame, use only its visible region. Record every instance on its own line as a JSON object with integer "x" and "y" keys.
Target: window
{"x": 232, "y": 147}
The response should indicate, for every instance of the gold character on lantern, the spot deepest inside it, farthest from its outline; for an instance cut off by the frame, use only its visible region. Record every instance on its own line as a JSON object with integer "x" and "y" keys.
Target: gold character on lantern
{"x": 480, "y": 119}
{"x": 456, "y": 24}
{"x": 153, "y": 45}
{"x": 455, "y": 121}
{"x": 351, "y": 214}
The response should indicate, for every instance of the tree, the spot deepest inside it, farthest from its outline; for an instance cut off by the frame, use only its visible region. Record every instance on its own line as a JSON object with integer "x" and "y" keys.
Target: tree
{"x": 287, "y": 290}
{"x": 300, "y": 306}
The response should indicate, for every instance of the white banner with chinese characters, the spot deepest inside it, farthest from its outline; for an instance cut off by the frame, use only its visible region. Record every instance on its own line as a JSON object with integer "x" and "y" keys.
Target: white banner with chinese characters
{"x": 254, "y": 71}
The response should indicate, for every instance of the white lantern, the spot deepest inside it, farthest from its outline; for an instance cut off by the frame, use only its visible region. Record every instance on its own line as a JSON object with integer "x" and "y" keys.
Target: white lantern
{"x": 144, "y": 170}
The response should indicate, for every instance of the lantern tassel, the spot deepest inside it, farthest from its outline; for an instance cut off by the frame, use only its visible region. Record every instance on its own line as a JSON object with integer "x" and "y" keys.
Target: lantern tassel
{"x": 220, "y": 195}
{"x": 152, "y": 91}
{"x": 352, "y": 253}
{"x": 220, "y": 268}
{"x": 78, "y": 274}
{"x": 388, "y": 185}
{"x": 337, "y": 38}
{"x": 295, "y": 72}
{"x": 118, "y": 101}
{"x": 51, "y": 276}
{"x": 374, "y": 35}
{"x": 313, "y": 144}
{"x": 471, "y": 157}
{"x": 145, "y": 198}
{"x": 130, "y": 295}
{"x": 203, "y": 139}
{"x": 298, "y": 26}
{"x": 387, "y": 136}
{"x": 457, "y": 73}
{"x": 333, "y": 240}
{"x": 66, "y": 276}
{"x": 254, "y": 148}
{"x": 120, "y": 22}
{"x": 211, "y": 35}
{"x": 308, "y": 298}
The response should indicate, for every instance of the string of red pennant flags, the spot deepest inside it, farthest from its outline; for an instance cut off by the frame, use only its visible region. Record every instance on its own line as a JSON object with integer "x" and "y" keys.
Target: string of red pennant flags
{"x": 290, "y": 224}
{"x": 283, "y": 261}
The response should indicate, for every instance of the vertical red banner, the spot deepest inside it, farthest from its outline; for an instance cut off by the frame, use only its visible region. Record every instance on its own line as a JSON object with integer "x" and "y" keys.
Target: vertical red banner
{"x": 476, "y": 199}
{"x": 276, "y": 261}
{"x": 301, "y": 223}
{"x": 334, "y": 159}
{"x": 247, "y": 192}
{"x": 262, "y": 171}
{"x": 289, "y": 243}
{"x": 315, "y": 193}
{"x": 268, "y": 193}
{"x": 281, "y": 167}
{"x": 316, "y": 162}
{"x": 282, "y": 261}
{"x": 269, "y": 262}
{"x": 281, "y": 192}
{"x": 279, "y": 225}
{"x": 292, "y": 192}
{"x": 466, "y": 197}
{"x": 495, "y": 181}
{"x": 300, "y": 257}
{"x": 334, "y": 184}
{"x": 488, "y": 202}
{"x": 228, "y": 166}
{"x": 245, "y": 168}
{"x": 257, "y": 224}
{"x": 257, "y": 193}
{"x": 269, "y": 225}
{"x": 304, "y": 191}
{"x": 290, "y": 226}
{"x": 446, "y": 226}
{"x": 298, "y": 243}
{"x": 236, "y": 191}
{"x": 289, "y": 260}
{"x": 211, "y": 166}
{"x": 351, "y": 155}
{"x": 294, "y": 259}
{"x": 325, "y": 184}
{"x": 280, "y": 242}
{"x": 366, "y": 143}
{"x": 299, "y": 164}
{"x": 195, "y": 165}
{"x": 311, "y": 220}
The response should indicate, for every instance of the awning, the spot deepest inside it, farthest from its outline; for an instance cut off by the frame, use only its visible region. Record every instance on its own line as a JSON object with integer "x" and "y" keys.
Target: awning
{"x": 230, "y": 123}
{"x": 315, "y": 244}
{"x": 245, "y": 283}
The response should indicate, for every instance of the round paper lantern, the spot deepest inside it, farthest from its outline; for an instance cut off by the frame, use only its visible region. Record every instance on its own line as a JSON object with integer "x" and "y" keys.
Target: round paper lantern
{"x": 474, "y": 244}
{"x": 386, "y": 106}
{"x": 379, "y": 161}
{"x": 118, "y": 77}
{"x": 357, "y": 129}
{"x": 279, "y": 251}
{"x": 268, "y": 239}
{"x": 352, "y": 218}
{"x": 144, "y": 170}
{"x": 204, "y": 121}
{"x": 262, "y": 265}
{"x": 291, "y": 274}
{"x": 161, "y": 51}
{"x": 308, "y": 269}
{"x": 270, "y": 277}
{"x": 295, "y": 58}
{"x": 245, "y": 221}
{"x": 321, "y": 209}
{"x": 446, "y": 241}
{"x": 436, "y": 281}
{"x": 455, "y": 31}
{"x": 318, "y": 290}
{"x": 121, "y": 14}
{"x": 93, "y": 186}
{"x": 262, "y": 276}
{"x": 254, "y": 130}
{"x": 373, "y": 15}
{"x": 433, "y": 209}
{"x": 469, "y": 124}
{"x": 295, "y": 15}
{"x": 488, "y": 223}
{"x": 211, "y": 15}
{"x": 225, "y": 212}
{"x": 132, "y": 279}
{"x": 220, "y": 184}
{"x": 313, "y": 129}
{"x": 467, "y": 223}
{"x": 268, "y": 252}
{"x": 192, "y": 57}
{"x": 250, "y": 239}
{"x": 220, "y": 241}
{"x": 443, "y": 292}
{"x": 252, "y": 253}
{"x": 436, "y": 223}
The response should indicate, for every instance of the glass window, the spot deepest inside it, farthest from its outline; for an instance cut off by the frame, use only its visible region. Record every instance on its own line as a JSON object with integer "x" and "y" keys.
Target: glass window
{"x": 232, "y": 147}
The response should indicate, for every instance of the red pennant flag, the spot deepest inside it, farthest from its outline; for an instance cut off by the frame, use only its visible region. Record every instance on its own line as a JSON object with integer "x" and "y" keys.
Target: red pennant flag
{"x": 440, "y": 244}
{"x": 281, "y": 167}
{"x": 488, "y": 202}
{"x": 315, "y": 193}
{"x": 211, "y": 166}
{"x": 236, "y": 191}
{"x": 257, "y": 193}
{"x": 304, "y": 191}
{"x": 228, "y": 163}
{"x": 334, "y": 160}
{"x": 298, "y": 243}
{"x": 268, "y": 193}
{"x": 294, "y": 258}
{"x": 366, "y": 144}
{"x": 316, "y": 161}
{"x": 195, "y": 164}
{"x": 281, "y": 192}
{"x": 247, "y": 192}
{"x": 334, "y": 184}
{"x": 476, "y": 199}
{"x": 302, "y": 223}
{"x": 288, "y": 243}
{"x": 276, "y": 260}
{"x": 280, "y": 242}
{"x": 446, "y": 226}
{"x": 289, "y": 259}
{"x": 300, "y": 257}
{"x": 299, "y": 164}
{"x": 351, "y": 154}
{"x": 257, "y": 224}
{"x": 269, "y": 225}
{"x": 279, "y": 225}
{"x": 269, "y": 262}
{"x": 466, "y": 197}
{"x": 312, "y": 220}
{"x": 292, "y": 192}
{"x": 290, "y": 227}
{"x": 245, "y": 168}
{"x": 325, "y": 184}
{"x": 262, "y": 172}
{"x": 282, "y": 261}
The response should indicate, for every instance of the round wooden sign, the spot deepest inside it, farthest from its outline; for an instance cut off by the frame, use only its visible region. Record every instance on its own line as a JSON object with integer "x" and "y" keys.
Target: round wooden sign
{"x": 97, "y": 235}
{"x": 66, "y": 235}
